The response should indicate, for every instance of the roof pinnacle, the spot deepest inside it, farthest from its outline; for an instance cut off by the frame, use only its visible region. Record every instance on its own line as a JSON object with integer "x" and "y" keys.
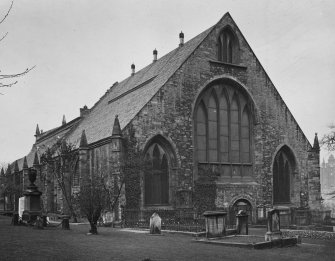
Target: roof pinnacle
{"x": 116, "y": 127}
{"x": 83, "y": 140}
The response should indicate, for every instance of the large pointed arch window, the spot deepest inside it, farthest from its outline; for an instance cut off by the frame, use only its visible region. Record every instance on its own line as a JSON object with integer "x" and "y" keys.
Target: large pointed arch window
{"x": 283, "y": 169}
{"x": 156, "y": 176}
{"x": 223, "y": 129}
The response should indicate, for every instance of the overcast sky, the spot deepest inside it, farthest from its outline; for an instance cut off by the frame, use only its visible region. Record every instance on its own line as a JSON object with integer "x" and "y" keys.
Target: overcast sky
{"x": 80, "y": 48}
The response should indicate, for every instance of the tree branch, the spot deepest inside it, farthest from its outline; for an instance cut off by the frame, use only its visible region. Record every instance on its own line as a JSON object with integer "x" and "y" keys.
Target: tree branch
{"x": 10, "y": 8}
{"x": 6, "y": 76}
{"x": 3, "y": 37}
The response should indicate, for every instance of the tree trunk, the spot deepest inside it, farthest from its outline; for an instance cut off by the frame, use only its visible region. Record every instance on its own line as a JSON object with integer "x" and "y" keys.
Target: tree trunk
{"x": 75, "y": 220}
{"x": 94, "y": 229}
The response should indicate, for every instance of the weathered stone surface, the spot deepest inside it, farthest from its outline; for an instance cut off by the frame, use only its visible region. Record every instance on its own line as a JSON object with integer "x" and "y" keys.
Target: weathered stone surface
{"x": 215, "y": 223}
{"x": 273, "y": 227}
{"x": 155, "y": 224}
{"x": 242, "y": 223}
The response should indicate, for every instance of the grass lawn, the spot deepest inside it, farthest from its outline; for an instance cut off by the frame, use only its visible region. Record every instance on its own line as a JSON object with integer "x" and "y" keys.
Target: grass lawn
{"x": 26, "y": 243}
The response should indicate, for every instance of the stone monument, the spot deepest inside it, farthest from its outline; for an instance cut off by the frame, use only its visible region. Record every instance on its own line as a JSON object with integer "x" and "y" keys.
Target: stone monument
{"x": 242, "y": 223}
{"x": 32, "y": 199}
{"x": 155, "y": 224}
{"x": 273, "y": 227}
{"x": 215, "y": 223}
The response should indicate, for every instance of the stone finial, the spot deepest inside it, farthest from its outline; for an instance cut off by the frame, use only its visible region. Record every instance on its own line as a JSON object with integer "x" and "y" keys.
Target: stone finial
{"x": 37, "y": 132}
{"x": 64, "y": 120}
{"x": 25, "y": 163}
{"x": 132, "y": 69}
{"x": 155, "y": 55}
{"x": 316, "y": 145}
{"x": 36, "y": 161}
{"x": 181, "y": 39}
{"x": 83, "y": 140}
{"x": 116, "y": 127}
{"x": 16, "y": 166}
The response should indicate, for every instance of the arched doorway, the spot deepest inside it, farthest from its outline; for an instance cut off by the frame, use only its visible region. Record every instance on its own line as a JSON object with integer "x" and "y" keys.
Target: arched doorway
{"x": 241, "y": 204}
{"x": 283, "y": 169}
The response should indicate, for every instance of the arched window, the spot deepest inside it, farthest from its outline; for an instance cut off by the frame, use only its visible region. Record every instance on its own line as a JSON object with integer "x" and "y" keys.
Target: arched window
{"x": 283, "y": 167}
{"x": 223, "y": 129}
{"x": 156, "y": 176}
{"x": 227, "y": 46}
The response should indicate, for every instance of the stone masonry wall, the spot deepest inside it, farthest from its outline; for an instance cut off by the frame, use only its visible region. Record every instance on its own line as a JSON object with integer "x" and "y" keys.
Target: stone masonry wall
{"x": 170, "y": 113}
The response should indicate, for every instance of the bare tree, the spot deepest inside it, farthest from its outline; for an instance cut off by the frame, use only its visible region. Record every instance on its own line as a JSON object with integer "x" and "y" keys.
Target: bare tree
{"x": 7, "y": 80}
{"x": 62, "y": 158}
{"x": 93, "y": 198}
{"x": 328, "y": 140}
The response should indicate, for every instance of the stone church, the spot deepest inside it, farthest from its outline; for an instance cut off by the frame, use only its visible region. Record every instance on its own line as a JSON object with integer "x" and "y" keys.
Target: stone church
{"x": 213, "y": 127}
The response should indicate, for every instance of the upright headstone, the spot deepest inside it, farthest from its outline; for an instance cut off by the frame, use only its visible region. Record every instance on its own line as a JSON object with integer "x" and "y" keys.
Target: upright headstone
{"x": 155, "y": 224}
{"x": 107, "y": 218}
{"x": 22, "y": 206}
{"x": 242, "y": 223}
{"x": 273, "y": 227}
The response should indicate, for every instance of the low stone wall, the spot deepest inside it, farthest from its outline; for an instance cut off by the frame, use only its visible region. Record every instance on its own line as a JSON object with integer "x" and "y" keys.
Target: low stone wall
{"x": 309, "y": 234}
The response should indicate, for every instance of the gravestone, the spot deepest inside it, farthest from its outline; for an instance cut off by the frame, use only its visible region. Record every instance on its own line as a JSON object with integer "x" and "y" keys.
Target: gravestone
{"x": 273, "y": 227}
{"x": 38, "y": 223}
{"x": 155, "y": 224}
{"x": 108, "y": 218}
{"x": 215, "y": 223}
{"x": 32, "y": 199}
{"x": 22, "y": 206}
{"x": 242, "y": 223}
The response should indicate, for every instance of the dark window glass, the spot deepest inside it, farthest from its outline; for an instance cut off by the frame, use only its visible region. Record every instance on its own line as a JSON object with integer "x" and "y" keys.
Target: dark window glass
{"x": 245, "y": 136}
{"x": 212, "y": 129}
{"x": 235, "y": 135}
{"x": 156, "y": 181}
{"x": 282, "y": 172}
{"x": 226, "y": 45}
{"x": 224, "y": 129}
{"x": 201, "y": 133}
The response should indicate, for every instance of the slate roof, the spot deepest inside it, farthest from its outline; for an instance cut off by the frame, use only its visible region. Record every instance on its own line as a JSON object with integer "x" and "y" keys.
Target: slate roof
{"x": 124, "y": 99}
{"x": 45, "y": 140}
{"x": 128, "y": 97}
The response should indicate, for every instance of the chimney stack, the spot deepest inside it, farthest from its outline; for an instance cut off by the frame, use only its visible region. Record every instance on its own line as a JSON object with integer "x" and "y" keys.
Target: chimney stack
{"x": 132, "y": 69}
{"x": 84, "y": 111}
{"x": 181, "y": 39}
{"x": 155, "y": 55}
